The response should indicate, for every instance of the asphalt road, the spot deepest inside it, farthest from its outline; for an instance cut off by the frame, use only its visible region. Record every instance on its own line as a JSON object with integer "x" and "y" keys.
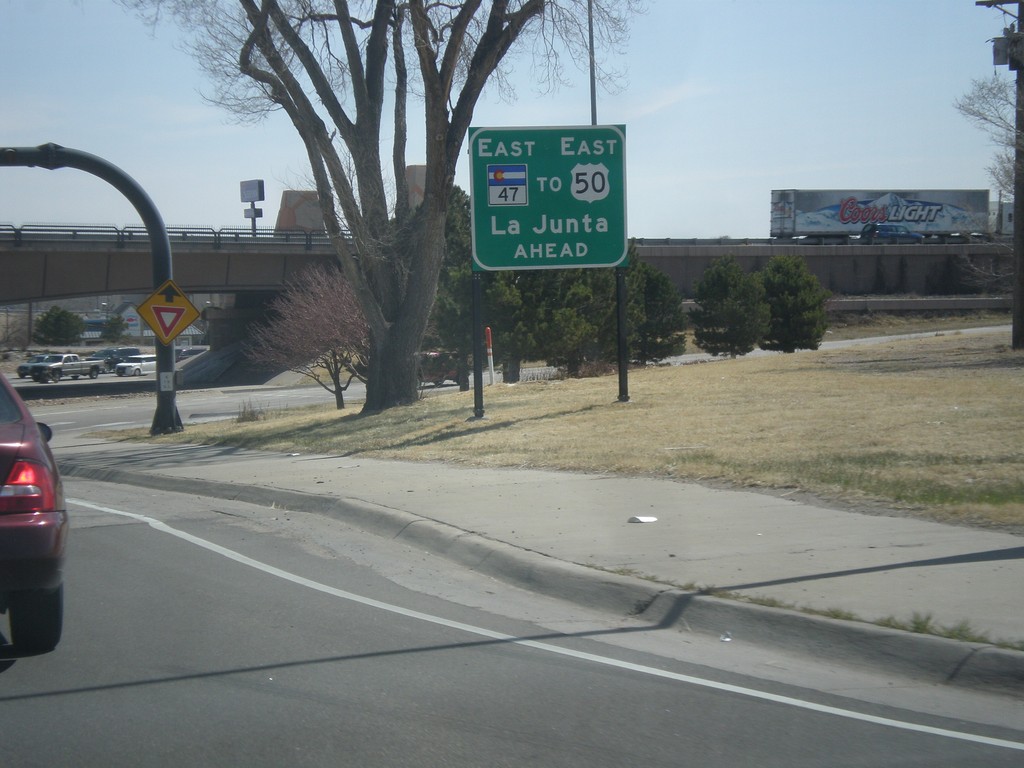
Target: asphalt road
{"x": 205, "y": 632}
{"x": 70, "y": 409}
{"x": 111, "y": 386}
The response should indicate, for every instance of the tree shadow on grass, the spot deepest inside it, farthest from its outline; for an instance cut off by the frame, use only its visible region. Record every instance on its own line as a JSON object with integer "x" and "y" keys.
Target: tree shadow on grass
{"x": 448, "y": 432}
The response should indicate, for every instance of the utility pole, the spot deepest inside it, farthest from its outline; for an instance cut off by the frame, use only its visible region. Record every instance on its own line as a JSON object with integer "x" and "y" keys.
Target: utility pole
{"x": 1009, "y": 50}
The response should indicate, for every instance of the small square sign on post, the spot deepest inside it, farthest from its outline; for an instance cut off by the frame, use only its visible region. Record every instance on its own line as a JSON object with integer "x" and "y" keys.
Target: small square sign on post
{"x": 548, "y": 198}
{"x": 251, "y": 191}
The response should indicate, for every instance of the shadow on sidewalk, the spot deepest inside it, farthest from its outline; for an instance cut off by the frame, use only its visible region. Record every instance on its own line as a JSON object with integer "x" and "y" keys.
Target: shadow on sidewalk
{"x": 993, "y": 555}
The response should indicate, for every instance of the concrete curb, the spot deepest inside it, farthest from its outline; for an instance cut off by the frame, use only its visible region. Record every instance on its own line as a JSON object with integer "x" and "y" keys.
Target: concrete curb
{"x": 920, "y": 657}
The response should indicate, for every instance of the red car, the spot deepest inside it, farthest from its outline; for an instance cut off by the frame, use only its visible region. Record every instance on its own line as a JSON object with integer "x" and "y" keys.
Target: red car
{"x": 33, "y": 528}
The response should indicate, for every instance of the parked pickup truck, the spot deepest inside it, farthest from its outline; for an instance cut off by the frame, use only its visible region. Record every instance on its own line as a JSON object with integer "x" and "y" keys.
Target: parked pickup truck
{"x": 56, "y": 367}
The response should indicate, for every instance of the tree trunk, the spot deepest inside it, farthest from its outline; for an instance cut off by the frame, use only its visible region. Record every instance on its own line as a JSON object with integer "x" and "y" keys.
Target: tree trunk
{"x": 393, "y": 378}
{"x": 512, "y": 370}
{"x": 339, "y": 391}
{"x": 394, "y": 358}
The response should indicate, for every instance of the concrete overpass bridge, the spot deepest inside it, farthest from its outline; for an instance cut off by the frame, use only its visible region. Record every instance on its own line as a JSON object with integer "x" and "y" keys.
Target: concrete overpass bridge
{"x": 41, "y": 263}
{"x": 60, "y": 262}
{"x": 50, "y": 262}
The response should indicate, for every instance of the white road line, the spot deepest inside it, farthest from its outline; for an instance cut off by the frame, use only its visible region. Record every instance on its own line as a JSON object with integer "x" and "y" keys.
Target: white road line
{"x": 554, "y": 649}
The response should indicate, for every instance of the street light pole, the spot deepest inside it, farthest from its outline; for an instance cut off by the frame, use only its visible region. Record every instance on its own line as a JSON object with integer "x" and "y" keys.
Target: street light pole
{"x": 52, "y": 157}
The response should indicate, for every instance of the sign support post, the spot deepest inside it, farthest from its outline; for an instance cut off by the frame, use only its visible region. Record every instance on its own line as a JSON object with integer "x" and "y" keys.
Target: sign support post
{"x": 549, "y": 198}
{"x": 251, "y": 192}
{"x": 621, "y": 300}
{"x": 478, "y": 346}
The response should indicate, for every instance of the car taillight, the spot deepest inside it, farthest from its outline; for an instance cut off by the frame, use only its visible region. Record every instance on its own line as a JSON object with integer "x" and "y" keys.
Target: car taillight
{"x": 28, "y": 488}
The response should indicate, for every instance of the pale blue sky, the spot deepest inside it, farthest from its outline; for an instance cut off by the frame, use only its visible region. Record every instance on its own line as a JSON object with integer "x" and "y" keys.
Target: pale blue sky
{"x": 726, "y": 100}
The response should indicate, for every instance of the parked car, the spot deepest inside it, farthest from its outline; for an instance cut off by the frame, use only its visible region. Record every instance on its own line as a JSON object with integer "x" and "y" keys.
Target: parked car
{"x": 25, "y": 369}
{"x": 892, "y": 234}
{"x": 33, "y": 528}
{"x": 136, "y": 365}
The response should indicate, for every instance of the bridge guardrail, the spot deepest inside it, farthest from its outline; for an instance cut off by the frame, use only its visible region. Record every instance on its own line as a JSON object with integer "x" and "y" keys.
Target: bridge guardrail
{"x": 122, "y": 237}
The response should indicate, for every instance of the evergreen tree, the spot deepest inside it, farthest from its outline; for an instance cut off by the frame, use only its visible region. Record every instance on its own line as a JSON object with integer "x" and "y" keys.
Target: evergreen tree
{"x": 114, "y": 329}
{"x": 451, "y": 324}
{"x": 732, "y": 315}
{"x": 58, "y": 327}
{"x": 575, "y": 305}
{"x": 797, "y": 303}
{"x": 513, "y": 312}
{"x": 564, "y": 317}
{"x": 656, "y": 319}
{"x": 451, "y": 319}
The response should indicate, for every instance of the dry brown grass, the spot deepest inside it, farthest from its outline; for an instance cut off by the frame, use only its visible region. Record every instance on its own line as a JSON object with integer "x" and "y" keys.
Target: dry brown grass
{"x": 931, "y": 426}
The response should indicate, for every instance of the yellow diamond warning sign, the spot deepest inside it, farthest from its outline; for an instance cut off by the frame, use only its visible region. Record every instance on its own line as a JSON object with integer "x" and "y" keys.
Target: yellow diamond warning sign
{"x": 168, "y": 312}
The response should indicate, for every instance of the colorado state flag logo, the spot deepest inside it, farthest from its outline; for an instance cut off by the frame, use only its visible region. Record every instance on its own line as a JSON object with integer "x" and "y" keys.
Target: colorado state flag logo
{"x": 506, "y": 175}
{"x": 506, "y": 185}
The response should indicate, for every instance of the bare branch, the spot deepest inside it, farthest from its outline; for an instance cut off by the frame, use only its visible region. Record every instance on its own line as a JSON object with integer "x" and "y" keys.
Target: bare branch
{"x": 317, "y": 331}
{"x": 991, "y": 106}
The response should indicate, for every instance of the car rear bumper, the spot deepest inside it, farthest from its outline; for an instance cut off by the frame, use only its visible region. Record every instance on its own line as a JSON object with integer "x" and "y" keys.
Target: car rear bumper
{"x": 32, "y": 550}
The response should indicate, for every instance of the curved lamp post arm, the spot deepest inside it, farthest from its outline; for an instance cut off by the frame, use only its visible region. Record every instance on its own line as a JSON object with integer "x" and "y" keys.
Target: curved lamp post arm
{"x": 53, "y": 156}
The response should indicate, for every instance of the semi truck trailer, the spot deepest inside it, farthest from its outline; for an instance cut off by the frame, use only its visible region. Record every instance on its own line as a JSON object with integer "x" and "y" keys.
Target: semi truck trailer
{"x": 842, "y": 215}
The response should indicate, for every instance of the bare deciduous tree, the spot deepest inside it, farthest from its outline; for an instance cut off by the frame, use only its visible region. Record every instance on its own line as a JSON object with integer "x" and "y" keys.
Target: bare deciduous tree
{"x": 317, "y": 330}
{"x": 990, "y": 105}
{"x": 13, "y": 330}
{"x": 332, "y": 66}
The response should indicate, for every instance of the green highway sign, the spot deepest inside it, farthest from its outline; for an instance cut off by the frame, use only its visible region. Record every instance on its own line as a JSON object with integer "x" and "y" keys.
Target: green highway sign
{"x": 548, "y": 198}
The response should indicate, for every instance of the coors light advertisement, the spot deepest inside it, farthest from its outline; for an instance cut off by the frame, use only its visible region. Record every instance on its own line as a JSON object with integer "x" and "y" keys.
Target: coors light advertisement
{"x": 806, "y": 212}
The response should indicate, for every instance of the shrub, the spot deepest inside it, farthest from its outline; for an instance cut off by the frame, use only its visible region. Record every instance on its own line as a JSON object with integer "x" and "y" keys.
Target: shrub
{"x": 658, "y": 321}
{"x": 732, "y": 314}
{"x": 796, "y": 303}
{"x": 58, "y": 327}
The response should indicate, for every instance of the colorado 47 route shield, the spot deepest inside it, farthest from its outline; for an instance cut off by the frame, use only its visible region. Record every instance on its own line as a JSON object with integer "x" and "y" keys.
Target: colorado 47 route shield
{"x": 548, "y": 198}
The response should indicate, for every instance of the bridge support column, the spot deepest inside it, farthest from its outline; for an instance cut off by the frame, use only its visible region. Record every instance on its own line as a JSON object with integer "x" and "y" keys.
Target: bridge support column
{"x": 225, "y": 327}
{"x": 230, "y": 325}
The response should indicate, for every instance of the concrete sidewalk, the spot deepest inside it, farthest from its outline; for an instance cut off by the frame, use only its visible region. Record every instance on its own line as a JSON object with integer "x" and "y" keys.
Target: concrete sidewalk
{"x": 537, "y": 528}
